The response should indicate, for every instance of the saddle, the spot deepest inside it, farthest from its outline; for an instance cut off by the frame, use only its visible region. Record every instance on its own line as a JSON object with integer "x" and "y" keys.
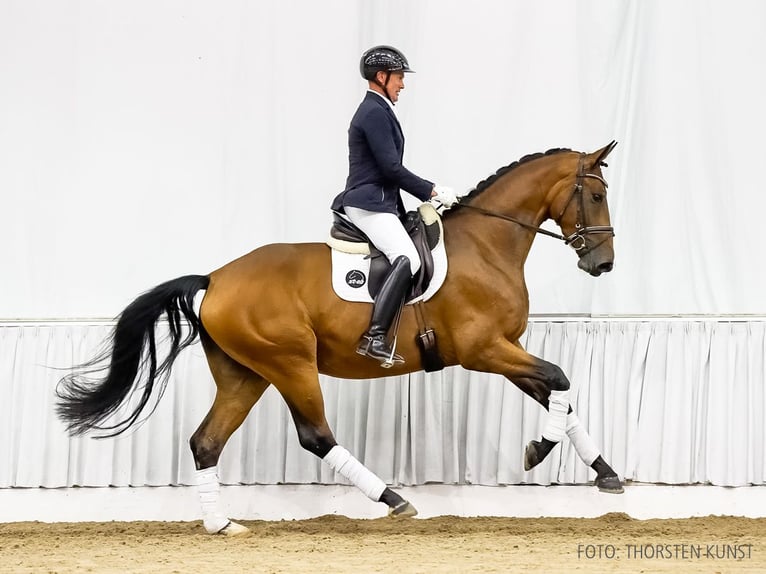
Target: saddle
{"x": 423, "y": 228}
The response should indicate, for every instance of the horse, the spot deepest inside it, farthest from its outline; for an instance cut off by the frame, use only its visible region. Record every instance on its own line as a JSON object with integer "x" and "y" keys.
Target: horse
{"x": 271, "y": 317}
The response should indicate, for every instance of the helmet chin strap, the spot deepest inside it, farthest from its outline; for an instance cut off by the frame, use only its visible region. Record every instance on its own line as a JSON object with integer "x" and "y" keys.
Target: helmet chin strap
{"x": 384, "y": 85}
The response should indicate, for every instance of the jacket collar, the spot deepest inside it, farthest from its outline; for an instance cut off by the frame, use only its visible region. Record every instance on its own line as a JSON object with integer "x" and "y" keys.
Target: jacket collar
{"x": 383, "y": 102}
{"x": 383, "y": 99}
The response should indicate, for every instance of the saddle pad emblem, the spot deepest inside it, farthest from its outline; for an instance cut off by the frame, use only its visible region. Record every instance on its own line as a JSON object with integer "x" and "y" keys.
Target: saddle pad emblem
{"x": 356, "y": 279}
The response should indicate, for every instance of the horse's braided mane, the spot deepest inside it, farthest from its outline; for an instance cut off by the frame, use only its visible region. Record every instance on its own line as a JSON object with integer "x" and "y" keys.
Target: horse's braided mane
{"x": 484, "y": 184}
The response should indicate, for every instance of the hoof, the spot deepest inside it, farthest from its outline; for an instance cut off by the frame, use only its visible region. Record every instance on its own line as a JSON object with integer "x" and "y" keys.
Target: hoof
{"x": 232, "y": 529}
{"x": 402, "y": 510}
{"x": 610, "y": 484}
{"x": 532, "y": 455}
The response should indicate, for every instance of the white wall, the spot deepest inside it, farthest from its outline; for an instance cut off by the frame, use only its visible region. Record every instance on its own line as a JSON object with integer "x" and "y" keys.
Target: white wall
{"x": 143, "y": 140}
{"x": 300, "y": 502}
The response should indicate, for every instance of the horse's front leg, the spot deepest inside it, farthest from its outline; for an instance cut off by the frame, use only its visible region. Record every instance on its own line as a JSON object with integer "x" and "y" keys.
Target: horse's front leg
{"x": 536, "y": 451}
{"x": 548, "y": 385}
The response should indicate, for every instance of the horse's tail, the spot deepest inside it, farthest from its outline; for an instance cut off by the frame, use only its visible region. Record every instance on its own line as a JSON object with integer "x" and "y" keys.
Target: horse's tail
{"x": 92, "y": 393}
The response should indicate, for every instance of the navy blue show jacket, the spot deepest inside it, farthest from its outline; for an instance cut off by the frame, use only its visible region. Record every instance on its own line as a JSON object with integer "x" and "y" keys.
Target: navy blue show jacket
{"x": 375, "y": 152}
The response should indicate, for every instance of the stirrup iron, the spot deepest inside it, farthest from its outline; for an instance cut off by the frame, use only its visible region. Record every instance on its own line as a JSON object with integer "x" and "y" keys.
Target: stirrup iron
{"x": 393, "y": 358}
{"x": 386, "y": 361}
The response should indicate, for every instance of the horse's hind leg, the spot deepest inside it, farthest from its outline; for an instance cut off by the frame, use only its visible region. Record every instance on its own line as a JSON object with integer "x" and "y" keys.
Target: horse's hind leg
{"x": 299, "y": 386}
{"x": 238, "y": 389}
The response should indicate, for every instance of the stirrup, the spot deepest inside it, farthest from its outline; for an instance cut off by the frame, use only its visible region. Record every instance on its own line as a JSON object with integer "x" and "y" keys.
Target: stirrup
{"x": 393, "y": 359}
{"x": 387, "y": 357}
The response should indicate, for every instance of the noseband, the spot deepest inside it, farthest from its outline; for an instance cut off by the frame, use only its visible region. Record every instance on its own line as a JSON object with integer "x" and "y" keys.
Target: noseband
{"x": 577, "y": 239}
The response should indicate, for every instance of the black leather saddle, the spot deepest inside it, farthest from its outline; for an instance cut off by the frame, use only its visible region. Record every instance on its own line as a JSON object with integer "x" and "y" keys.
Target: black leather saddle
{"x": 425, "y": 237}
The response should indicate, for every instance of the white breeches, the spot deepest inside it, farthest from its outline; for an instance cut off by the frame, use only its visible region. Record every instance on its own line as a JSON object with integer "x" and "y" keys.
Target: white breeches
{"x": 387, "y": 234}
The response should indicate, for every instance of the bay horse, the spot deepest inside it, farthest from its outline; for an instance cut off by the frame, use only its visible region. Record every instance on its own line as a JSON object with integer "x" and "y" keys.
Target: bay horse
{"x": 271, "y": 317}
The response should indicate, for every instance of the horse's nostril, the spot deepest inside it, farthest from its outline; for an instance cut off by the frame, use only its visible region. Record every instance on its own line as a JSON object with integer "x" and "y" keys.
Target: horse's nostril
{"x": 606, "y": 267}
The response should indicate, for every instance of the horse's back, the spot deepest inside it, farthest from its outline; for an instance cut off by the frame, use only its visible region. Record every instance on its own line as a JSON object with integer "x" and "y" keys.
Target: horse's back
{"x": 271, "y": 287}
{"x": 277, "y": 268}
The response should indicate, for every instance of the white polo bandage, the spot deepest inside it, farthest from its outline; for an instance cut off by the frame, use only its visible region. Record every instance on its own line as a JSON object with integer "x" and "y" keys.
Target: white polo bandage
{"x": 583, "y": 444}
{"x": 209, "y": 491}
{"x": 343, "y": 462}
{"x": 558, "y": 405}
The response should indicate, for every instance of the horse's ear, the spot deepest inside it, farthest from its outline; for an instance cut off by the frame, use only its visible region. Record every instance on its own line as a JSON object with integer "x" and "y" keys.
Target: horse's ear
{"x": 600, "y": 155}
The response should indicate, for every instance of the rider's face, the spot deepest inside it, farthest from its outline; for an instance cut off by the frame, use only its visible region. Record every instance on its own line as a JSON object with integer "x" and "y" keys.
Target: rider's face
{"x": 395, "y": 84}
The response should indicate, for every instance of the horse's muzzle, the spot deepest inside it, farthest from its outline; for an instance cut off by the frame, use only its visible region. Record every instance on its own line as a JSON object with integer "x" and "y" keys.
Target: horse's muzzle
{"x": 605, "y": 267}
{"x": 595, "y": 269}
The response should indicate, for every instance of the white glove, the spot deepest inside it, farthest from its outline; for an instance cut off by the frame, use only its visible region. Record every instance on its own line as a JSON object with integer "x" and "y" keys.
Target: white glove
{"x": 445, "y": 195}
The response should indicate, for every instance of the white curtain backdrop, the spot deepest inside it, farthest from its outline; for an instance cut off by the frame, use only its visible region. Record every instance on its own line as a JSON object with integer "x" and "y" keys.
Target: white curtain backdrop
{"x": 144, "y": 140}
{"x": 673, "y": 402}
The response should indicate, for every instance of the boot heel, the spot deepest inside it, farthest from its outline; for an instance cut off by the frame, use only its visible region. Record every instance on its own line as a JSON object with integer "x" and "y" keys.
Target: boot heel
{"x": 363, "y": 348}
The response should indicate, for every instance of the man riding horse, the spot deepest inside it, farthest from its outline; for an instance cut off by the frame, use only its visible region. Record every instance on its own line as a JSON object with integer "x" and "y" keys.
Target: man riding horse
{"x": 371, "y": 200}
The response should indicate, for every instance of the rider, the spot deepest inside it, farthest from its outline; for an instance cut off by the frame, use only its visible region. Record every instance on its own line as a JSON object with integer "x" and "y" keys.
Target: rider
{"x": 371, "y": 199}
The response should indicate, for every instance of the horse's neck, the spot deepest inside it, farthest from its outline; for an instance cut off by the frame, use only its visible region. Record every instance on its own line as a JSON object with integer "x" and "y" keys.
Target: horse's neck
{"x": 526, "y": 194}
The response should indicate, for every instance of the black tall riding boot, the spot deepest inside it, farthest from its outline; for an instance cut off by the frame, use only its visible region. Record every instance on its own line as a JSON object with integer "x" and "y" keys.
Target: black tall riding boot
{"x": 387, "y": 303}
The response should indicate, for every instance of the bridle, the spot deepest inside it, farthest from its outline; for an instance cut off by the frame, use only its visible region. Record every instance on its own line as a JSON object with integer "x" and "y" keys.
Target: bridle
{"x": 575, "y": 240}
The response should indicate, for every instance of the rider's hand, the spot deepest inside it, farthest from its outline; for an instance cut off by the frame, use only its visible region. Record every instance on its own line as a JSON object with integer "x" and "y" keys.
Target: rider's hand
{"x": 444, "y": 195}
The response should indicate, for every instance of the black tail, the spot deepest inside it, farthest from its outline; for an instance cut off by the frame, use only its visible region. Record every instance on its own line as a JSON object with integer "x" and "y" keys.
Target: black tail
{"x": 97, "y": 389}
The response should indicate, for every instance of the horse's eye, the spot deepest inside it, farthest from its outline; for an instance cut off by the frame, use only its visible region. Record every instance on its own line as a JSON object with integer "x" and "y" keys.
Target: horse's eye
{"x": 597, "y": 197}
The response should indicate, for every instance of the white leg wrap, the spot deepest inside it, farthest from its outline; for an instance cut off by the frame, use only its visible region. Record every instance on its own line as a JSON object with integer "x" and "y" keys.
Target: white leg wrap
{"x": 583, "y": 444}
{"x": 342, "y": 462}
{"x": 558, "y": 405}
{"x": 209, "y": 490}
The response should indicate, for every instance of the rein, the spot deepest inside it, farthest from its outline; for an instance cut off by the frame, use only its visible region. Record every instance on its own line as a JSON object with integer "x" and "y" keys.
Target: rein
{"x": 577, "y": 239}
{"x": 534, "y": 228}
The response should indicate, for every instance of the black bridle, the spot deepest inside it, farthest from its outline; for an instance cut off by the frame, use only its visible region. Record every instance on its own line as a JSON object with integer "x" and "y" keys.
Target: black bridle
{"x": 575, "y": 240}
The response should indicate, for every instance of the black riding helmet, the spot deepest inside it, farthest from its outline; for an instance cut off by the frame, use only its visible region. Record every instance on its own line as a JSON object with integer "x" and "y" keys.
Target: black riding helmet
{"x": 382, "y": 59}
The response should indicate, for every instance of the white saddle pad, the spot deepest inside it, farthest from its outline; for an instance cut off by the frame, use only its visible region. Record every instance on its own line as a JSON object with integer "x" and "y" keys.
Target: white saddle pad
{"x": 350, "y": 274}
